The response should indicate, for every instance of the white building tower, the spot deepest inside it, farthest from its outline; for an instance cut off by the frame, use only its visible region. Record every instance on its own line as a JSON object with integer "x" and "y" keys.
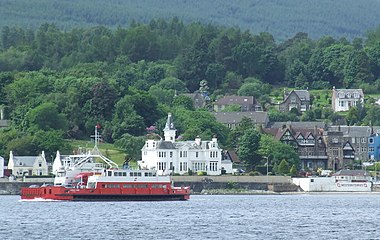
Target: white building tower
{"x": 169, "y": 130}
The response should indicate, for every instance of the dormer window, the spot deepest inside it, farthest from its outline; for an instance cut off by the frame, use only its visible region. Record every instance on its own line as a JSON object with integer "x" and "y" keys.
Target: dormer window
{"x": 341, "y": 95}
{"x": 356, "y": 95}
{"x": 348, "y": 95}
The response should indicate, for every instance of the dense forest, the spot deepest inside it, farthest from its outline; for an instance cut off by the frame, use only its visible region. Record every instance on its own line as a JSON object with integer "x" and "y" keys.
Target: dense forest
{"x": 60, "y": 84}
{"x": 338, "y": 18}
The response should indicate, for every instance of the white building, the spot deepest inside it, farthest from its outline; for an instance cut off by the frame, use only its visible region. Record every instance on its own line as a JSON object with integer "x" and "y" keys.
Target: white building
{"x": 344, "y": 99}
{"x": 168, "y": 156}
{"x": 1, "y": 167}
{"x": 28, "y": 165}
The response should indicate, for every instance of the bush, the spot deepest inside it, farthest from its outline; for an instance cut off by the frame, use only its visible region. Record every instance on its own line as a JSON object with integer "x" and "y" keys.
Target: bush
{"x": 254, "y": 173}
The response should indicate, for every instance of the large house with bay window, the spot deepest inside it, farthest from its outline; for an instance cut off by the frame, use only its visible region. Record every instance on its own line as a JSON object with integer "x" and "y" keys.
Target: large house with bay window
{"x": 344, "y": 99}
{"x": 169, "y": 156}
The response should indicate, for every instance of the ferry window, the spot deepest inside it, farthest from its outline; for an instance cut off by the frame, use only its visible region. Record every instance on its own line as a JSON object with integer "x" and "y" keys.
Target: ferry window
{"x": 311, "y": 180}
{"x": 139, "y": 174}
{"x": 124, "y": 174}
{"x": 146, "y": 174}
{"x": 109, "y": 173}
{"x": 127, "y": 185}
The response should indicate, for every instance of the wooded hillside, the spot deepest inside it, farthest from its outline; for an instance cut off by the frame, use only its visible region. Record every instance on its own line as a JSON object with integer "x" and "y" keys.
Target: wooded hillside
{"x": 283, "y": 19}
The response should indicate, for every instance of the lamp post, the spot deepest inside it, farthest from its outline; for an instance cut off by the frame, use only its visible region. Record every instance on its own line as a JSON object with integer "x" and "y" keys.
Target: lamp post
{"x": 267, "y": 168}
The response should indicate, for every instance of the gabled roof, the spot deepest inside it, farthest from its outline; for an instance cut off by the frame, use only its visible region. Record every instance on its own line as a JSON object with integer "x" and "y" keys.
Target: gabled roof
{"x": 236, "y": 117}
{"x": 165, "y": 145}
{"x": 27, "y": 161}
{"x": 347, "y": 92}
{"x": 298, "y": 125}
{"x": 295, "y": 132}
{"x": 348, "y": 146}
{"x": 304, "y": 95}
{"x": 353, "y": 131}
{"x": 241, "y": 100}
{"x": 231, "y": 155}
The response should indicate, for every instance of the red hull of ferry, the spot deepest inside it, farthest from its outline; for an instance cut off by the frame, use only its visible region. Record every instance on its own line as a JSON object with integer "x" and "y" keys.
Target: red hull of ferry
{"x": 139, "y": 192}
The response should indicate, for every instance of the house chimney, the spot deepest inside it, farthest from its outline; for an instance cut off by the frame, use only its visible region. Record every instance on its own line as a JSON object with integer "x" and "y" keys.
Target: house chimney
{"x": 198, "y": 141}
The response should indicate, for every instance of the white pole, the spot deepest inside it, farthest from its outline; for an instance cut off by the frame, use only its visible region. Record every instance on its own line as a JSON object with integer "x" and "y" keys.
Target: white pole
{"x": 267, "y": 169}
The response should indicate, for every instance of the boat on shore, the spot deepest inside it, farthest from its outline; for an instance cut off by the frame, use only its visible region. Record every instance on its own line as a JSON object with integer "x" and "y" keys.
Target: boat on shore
{"x": 342, "y": 181}
{"x": 93, "y": 177}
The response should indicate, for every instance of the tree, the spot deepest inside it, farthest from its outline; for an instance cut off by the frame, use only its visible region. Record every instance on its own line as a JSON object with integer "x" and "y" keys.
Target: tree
{"x": 283, "y": 167}
{"x": 248, "y": 147}
{"x": 190, "y": 124}
{"x": 131, "y": 145}
{"x": 46, "y": 117}
{"x": 183, "y": 101}
{"x": 293, "y": 171}
{"x": 277, "y": 151}
{"x": 234, "y": 136}
{"x": 373, "y": 116}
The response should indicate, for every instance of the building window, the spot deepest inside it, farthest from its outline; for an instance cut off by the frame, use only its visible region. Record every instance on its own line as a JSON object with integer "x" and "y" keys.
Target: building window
{"x": 370, "y": 140}
{"x": 371, "y": 149}
{"x": 364, "y": 149}
{"x": 364, "y": 140}
{"x": 154, "y": 144}
{"x": 161, "y": 165}
{"x": 39, "y": 164}
{"x": 335, "y": 152}
{"x": 171, "y": 154}
{"x": 196, "y": 154}
{"x": 180, "y": 167}
{"x": 213, "y": 166}
{"x": 185, "y": 166}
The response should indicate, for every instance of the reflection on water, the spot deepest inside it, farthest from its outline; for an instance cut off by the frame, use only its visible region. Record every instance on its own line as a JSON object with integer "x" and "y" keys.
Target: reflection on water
{"x": 300, "y": 216}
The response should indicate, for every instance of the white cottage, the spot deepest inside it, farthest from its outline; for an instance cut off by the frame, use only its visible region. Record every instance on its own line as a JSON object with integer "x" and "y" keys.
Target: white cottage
{"x": 344, "y": 99}
{"x": 168, "y": 156}
{"x": 28, "y": 165}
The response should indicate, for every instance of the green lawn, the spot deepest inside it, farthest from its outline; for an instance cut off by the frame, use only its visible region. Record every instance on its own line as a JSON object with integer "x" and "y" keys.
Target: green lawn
{"x": 108, "y": 150}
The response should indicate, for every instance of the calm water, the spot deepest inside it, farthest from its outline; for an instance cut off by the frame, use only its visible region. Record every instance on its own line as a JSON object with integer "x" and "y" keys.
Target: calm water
{"x": 325, "y": 216}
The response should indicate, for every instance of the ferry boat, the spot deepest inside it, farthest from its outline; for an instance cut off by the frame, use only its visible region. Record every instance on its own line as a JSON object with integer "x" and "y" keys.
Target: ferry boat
{"x": 93, "y": 177}
{"x": 341, "y": 181}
